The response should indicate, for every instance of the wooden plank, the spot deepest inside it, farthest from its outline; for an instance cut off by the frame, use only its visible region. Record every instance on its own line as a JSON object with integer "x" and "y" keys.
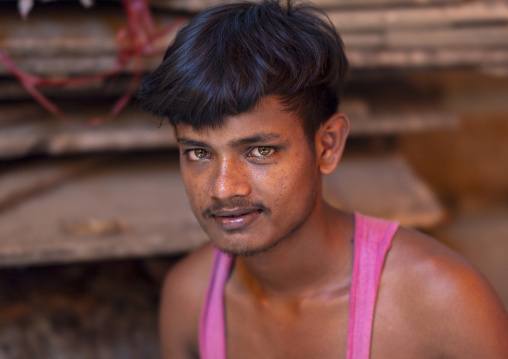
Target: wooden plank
{"x": 46, "y": 33}
{"x": 85, "y": 42}
{"x": 68, "y": 66}
{"x": 79, "y": 43}
{"x": 427, "y": 58}
{"x": 403, "y": 123}
{"x": 89, "y": 35}
{"x": 11, "y": 89}
{"x": 480, "y": 38}
{"x": 469, "y": 14}
{"x": 93, "y": 33}
{"x": 384, "y": 187}
{"x": 198, "y": 5}
{"x": 30, "y": 180}
{"x": 379, "y": 3}
{"x": 27, "y": 128}
{"x": 401, "y": 117}
{"x": 145, "y": 194}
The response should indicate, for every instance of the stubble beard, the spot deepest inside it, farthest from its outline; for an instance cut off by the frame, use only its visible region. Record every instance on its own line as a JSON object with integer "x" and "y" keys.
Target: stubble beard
{"x": 245, "y": 252}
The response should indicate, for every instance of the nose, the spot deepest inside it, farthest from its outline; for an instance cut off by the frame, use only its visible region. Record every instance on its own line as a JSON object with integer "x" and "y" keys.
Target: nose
{"x": 230, "y": 179}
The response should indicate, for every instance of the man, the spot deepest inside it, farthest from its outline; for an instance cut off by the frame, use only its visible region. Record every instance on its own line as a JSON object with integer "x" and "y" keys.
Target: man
{"x": 252, "y": 90}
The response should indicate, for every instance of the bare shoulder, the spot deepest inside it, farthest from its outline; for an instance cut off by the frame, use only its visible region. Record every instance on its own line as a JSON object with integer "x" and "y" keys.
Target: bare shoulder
{"x": 437, "y": 291}
{"x": 182, "y": 296}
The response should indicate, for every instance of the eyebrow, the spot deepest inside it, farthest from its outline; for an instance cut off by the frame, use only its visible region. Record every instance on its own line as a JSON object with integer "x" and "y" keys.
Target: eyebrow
{"x": 257, "y": 138}
{"x": 188, "y": 142}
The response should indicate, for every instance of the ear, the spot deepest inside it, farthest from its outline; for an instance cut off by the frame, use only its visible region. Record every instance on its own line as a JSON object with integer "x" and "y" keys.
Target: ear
{"x": 330, "y": 141}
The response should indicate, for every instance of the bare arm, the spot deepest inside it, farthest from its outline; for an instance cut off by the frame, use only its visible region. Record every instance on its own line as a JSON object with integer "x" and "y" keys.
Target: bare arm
{"x": 477, "y": 323}
{"x": 439, "y": 305}
{"x": 182, "y": 296}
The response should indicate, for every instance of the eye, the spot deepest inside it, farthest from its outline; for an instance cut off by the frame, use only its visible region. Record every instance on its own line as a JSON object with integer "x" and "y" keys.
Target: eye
{"x": 262, "y": 151}
{"x": 197, "y": 154}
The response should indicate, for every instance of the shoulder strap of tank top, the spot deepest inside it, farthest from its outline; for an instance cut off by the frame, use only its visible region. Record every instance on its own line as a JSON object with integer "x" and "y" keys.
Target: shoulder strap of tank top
{"x": 372, "y": 240}
{"x": 212, "y": 331}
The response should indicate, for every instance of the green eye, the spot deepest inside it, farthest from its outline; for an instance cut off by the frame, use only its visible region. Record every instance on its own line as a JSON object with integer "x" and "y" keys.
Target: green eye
{"x": 200, "y": 153}
{"x": 264, "y": 151}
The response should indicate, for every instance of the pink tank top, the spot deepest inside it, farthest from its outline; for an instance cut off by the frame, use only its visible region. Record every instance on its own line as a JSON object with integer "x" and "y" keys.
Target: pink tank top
{"x": 372, "y": 239}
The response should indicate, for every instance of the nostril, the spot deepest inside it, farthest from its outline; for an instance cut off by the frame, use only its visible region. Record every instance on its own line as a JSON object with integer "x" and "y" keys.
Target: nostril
{"x": 230, "y": 180}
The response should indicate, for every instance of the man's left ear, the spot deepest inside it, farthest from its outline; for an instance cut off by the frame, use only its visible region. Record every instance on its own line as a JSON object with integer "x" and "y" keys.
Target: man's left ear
{"x": 330, "y": 141}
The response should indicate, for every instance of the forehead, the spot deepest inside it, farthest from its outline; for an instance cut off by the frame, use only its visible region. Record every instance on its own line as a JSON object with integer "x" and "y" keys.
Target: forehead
{"x": 268, "y": 117}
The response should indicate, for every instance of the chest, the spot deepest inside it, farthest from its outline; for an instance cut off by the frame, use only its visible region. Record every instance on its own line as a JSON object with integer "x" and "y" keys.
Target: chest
{"x": 315, "y": 329}
{"x": 272, "y": 329}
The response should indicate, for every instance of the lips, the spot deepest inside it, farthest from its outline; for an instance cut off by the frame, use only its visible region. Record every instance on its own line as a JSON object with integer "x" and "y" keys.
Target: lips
{"x": 235, "y": 219}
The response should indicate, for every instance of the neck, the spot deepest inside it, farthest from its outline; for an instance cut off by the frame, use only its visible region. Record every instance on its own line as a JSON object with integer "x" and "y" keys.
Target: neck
{"x": 316, "y": 258}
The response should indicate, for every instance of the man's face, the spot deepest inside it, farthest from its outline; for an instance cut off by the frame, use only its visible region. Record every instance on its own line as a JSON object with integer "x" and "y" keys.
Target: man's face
{"x": 253, "y": 181}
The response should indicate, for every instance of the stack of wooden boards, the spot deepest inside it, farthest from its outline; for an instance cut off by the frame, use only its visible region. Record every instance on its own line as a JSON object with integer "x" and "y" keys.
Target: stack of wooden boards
{"x": 377, "y": 33}
{"x": 63, "y": 200}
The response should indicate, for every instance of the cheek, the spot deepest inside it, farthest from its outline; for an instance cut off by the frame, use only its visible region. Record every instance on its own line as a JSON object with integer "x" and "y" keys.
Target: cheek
{"x": 268, "y": 181}
{"x": 194, "y": 187}
{"x": 300, "y": 185}
{"x": 283, "y": 186}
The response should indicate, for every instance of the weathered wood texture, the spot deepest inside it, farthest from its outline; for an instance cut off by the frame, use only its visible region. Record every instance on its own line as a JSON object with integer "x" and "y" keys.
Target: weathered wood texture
{"x": 424, "y": 18}
{"x": 383, "y": 187}
{"x": 400, "y": 118}
{"x": 484, "y": 59}
{"x": 78, "y": 43}
{"x": 198, "y": 5}
{"x": 487, "y": 37}
{"x": 48, "y": 175}
{"x": 136, "y": 206}
{"x": 12, "y": 90}
{"x": 27, "y": 128}
{"x": 131, "y": 207}
{"x": 454, "y": 34}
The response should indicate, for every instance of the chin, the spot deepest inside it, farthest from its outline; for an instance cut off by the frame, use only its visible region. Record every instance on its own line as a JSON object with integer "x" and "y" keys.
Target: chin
{"x": 245, "y": 250}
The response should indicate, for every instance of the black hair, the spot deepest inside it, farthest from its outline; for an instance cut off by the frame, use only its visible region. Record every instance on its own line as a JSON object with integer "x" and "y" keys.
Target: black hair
{"x": 230, "y": 56}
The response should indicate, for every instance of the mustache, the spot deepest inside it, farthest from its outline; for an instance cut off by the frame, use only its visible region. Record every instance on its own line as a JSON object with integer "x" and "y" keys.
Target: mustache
{"x": 234, "y": 204}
